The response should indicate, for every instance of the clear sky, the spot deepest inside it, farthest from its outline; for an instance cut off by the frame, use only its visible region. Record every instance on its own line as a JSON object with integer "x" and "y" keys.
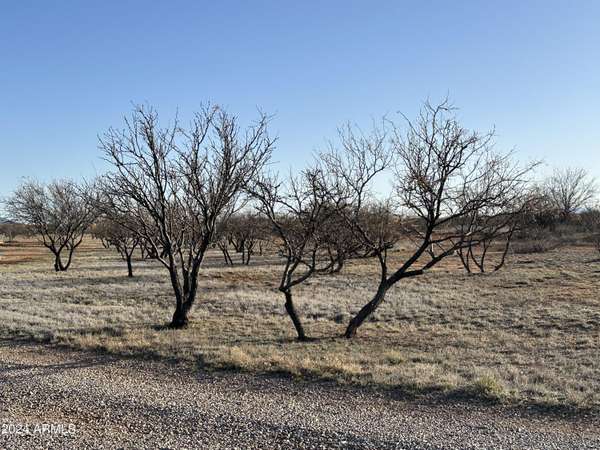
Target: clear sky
{"x": 71, "y": 69}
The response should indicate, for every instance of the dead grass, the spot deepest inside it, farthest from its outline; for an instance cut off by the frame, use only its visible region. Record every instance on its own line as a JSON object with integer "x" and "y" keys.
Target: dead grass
{"x": 529, "y": 333}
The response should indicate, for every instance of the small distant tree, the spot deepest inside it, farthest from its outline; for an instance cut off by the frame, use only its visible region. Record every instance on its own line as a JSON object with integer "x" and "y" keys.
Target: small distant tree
{"x": 570, "y": 190}
{"x": 148, "y": 251}
{"x": 176, "y": 186}
{"x": 223, "y": 242}
{"x": 494, "y": 225}
{"x": 58, "y": 212}
{"x": 486, "y": 232}
{"x": 341, "y": 243}
{"x": 442, "y": 173}
{"x": 113, "y": 234}
{"x": 591, "y": 221}
{"x": 368, "y": 225}
{"x": 300, "y": 211}
{"x": 11, "y": 230}
{"x": 245, "y": 233}
{"x": 541, "y": 212}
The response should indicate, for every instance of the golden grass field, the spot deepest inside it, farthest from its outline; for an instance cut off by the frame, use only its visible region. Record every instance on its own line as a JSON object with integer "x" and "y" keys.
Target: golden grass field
{"x": 528, "y": 334}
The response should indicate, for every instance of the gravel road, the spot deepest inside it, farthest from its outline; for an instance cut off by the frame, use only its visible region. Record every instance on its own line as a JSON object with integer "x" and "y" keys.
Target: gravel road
{"x": 55, "y": 398}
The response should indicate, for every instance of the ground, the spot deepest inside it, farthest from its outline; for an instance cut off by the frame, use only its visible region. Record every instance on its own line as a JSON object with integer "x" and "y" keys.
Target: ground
{"x": 525, "y": 336}
{"x": 101, "y": 401}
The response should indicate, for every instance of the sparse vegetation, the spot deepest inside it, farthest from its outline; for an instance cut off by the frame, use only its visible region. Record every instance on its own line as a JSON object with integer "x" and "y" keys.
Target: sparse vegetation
{"x": 299, "y": 225}
{"x": 184, "y": 200}
{"x": 528, "y": 333}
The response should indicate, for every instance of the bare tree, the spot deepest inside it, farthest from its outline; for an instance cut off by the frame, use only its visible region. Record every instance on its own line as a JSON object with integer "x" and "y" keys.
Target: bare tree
{"x": 300, "y": 212}
{"x": 223, "y": 242}
{"x": 177, "y": 186}
{"x": 541, "y": 212}
{"x": 570, "y": 190}
{"x": 147, "y": 251}
{"x": 591, "y": 222}
{"x": 442, "y": 172}
{"x": 483, "y": 233}
{"x": 113, "y": 233}
{"x": 494, "y": 225}
{"x": 58, "y": 212}
{"x": 351, "y": 171}
{"x": 244, "y": 232}
{"x": 11, "y": 230}
{"x": 341, "y": 244}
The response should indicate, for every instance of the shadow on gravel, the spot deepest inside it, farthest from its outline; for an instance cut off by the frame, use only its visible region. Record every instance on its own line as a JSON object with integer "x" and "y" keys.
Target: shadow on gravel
{"x": 468, "y": 397}
{"x": 463, "y": 398}
{"x": 10, "y": 370}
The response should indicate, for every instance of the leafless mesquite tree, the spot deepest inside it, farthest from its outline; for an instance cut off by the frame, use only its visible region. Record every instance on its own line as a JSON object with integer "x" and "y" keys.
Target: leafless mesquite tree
{"x": 177, "y": 185}
{"x": 541, "y": 212}
{"x": 341, "y": 243}
{"x": 491, "y": 231}
{"x": 591, "y": 222}
{"x": 113, "y": 233}
{"x": 11, "y": 230}
{"x": 351, "y": 171}
{"x": 442, "y": 173}
{"x": 378, "y": 223}
{"x": 245, "y": 232}
{"x": 300, "y": 212}
{"x": 570, "y": 190}
{"x": 495, "y": 225}
{"x": 58, "y": 212}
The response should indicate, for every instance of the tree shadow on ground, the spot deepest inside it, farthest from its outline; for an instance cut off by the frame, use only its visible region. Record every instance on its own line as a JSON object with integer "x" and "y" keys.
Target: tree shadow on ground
{"x": 77, "y": 360}
{"x": 407, "y": 394}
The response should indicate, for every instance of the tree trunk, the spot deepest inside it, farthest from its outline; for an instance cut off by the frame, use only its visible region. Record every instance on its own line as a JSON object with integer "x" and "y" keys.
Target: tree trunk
{"x": 366, "y": 311}
{"x": 506, "y": 249}
{"x": 338, "y": 265}
{"x": 184, "y": 295}
{"x": 465, "y": 261}
{"x": 58, "y": 264}
{"x": 64, "y": 267}
{"x": 180, "y": 316}
{"x": 226, "y": 256}
{"x": 291, "y": 310}
{"x": 129, "y": 267}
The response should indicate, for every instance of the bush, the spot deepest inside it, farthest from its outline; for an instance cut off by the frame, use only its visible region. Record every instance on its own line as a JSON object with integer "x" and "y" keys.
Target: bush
{"x": 536, "y": 241}
{"x": 537, "y": 246}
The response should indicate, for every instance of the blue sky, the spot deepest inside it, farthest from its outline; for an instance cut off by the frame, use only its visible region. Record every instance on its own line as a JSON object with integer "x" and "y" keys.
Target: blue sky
{"x": 71, "y": 69}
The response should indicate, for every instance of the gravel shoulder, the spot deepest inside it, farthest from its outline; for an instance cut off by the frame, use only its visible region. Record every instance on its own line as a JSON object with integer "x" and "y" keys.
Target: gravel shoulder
{"x": 127, "y": 403}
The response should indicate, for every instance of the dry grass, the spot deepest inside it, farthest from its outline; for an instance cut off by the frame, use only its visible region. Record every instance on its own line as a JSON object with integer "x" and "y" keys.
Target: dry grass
{"x": 529, "y": 333}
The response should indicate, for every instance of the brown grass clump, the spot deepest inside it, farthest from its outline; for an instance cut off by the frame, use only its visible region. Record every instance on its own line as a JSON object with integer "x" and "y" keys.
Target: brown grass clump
{"x": 529, "y": 333}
